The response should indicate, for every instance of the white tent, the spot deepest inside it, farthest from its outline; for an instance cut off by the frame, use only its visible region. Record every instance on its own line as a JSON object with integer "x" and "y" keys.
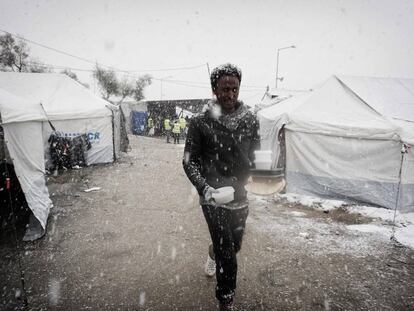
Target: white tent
{"x": 22, "y": 124}
{"x": 183, "y": 113}
{"x": 71, "y": 108}
{"x": 275, "y": 96}
{"x": 344, "y": 140}
{"x": 27, "y": 102}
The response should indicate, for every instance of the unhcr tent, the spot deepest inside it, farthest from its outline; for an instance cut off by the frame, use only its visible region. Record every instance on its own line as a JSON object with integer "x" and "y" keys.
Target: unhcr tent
{"x": 72, "y": 109}
{"x": 22, "y": 123}
{"x": 349, "y": 139}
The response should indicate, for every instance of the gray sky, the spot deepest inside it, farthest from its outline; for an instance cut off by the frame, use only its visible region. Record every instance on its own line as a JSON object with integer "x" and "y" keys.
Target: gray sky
{"x": 355, "y": 37}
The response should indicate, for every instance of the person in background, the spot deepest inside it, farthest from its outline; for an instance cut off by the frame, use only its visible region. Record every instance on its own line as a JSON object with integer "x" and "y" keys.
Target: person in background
{"x": 150, "y": 125}
{"x": 167, "y": 129}
{"x": 219, "y": 152}
{"x": 187, "y": 120}
{"x": 176, "y": 131}
{"x": 183, "y": 125}
{"x": 159, "y": 126}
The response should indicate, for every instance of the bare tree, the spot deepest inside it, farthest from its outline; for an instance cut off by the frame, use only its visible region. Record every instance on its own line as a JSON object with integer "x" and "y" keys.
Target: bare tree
{"x": 140, "y": 85}
{"x": 13, "y": 55}
{"x": 126, "y": 89}
{"x": 107, "y": 81}
{"x": 111, "y": 86}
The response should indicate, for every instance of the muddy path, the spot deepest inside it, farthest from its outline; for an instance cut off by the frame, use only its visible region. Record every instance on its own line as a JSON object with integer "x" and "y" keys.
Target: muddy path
{"x": 140, "y": 243}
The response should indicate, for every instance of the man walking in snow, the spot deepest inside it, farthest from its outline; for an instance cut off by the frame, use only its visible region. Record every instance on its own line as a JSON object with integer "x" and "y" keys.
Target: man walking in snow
{"x": 219, "y": 152}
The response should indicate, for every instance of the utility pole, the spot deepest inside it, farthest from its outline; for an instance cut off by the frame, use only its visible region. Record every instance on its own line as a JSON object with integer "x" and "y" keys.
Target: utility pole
{"x": 277, "y": 62}
{"x": 161, "y": 80}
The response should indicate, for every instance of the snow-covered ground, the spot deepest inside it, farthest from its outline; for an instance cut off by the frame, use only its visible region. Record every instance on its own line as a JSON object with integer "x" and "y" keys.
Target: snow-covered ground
{"x": 386, "y": 222}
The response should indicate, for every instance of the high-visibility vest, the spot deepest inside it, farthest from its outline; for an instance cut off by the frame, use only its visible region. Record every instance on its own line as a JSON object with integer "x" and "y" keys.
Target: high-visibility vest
{"x": 150, "y": 123}
{"x": 183, "y": 123}
{"x": 167, "y": 125}
{"x": 177, "y": 128}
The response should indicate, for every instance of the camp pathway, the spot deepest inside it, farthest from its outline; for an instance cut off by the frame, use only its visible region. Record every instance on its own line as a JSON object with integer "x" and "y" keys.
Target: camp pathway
{"x": 140, "y": 243}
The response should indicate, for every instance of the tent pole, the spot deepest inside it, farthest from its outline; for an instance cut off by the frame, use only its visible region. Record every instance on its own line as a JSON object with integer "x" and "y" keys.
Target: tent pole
{"x": 47, "y": 117}
{"x": 397, "y": 201}
{"x": 113, "y": 134}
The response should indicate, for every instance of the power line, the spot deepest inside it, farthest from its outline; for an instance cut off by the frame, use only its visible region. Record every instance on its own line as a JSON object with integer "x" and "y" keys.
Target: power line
{"x": 194, "y": 84}
{"x": 252, "y": 96}
{"x": 95, "y": 62}
{"x": 50, "y": 48}
{"x": 207, "y": 84}
{"x": 184, "y": 84}
{"x": 60, "y": 67}
{"x": 129, "y": 73}
{"x": 167, "y": 69}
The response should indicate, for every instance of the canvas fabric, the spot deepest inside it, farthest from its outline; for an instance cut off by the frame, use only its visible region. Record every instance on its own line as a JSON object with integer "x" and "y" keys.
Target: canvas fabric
{"x": 25, "y": 145}
{"x": 348, "y": 133}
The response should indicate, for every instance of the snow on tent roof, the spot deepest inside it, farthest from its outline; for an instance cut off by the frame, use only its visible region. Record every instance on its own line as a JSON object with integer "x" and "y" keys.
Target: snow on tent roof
{"x": 18, "y": 109}
{"x": 62, "y": 97}
{"x": 185, "y": 113}
{"x": 332, "y": 104}
{"x": 285, "y": 106}
{"x": 391, "y": 97}
{"x": 336, "y": 108}
{"x": 178, "y": 97}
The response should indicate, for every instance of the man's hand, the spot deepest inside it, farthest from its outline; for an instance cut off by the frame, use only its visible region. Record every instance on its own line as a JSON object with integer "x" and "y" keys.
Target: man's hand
{"x": 208, "y": 194}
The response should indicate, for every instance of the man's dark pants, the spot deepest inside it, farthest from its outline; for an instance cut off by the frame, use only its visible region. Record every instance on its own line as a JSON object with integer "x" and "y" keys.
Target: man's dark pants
{"x": 176, "y": 138}
{"x": 226, "y": 230}
{"x": 168, "y": 134}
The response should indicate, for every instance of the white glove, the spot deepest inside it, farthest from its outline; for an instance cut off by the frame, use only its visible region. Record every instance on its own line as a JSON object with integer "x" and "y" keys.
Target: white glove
{"x": 208, "y": 194}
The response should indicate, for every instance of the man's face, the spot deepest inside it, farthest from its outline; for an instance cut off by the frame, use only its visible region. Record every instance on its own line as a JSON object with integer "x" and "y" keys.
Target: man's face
{"x": 227, "y": 92}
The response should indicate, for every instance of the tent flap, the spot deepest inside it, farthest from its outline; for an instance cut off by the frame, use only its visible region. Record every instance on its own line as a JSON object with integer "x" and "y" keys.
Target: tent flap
{"x": 25, "y": 145}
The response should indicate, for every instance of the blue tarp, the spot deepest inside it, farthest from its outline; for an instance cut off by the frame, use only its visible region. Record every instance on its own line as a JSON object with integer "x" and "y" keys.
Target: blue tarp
{"x": 139, "y": 122}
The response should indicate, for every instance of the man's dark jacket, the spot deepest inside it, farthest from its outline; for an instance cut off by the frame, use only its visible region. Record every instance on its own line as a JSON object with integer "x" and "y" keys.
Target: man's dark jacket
{"x": 219, "y": 151}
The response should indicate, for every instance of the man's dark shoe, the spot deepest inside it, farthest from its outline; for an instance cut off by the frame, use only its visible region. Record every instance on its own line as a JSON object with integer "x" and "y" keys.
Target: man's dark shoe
{"x": 228, "y": 307}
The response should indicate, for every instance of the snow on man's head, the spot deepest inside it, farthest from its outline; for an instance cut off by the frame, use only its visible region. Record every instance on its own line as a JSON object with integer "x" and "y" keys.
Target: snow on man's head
{"x": 224, "y": 70}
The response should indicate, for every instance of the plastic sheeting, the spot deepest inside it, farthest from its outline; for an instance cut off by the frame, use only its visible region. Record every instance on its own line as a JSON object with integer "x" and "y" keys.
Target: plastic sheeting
{"x": 25, "y": 145}
{"x": 338, "y": 167}
{"x": 116, "y": 119}
{"x": 407, "y": 182}
{"x": 139, "y": 121}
